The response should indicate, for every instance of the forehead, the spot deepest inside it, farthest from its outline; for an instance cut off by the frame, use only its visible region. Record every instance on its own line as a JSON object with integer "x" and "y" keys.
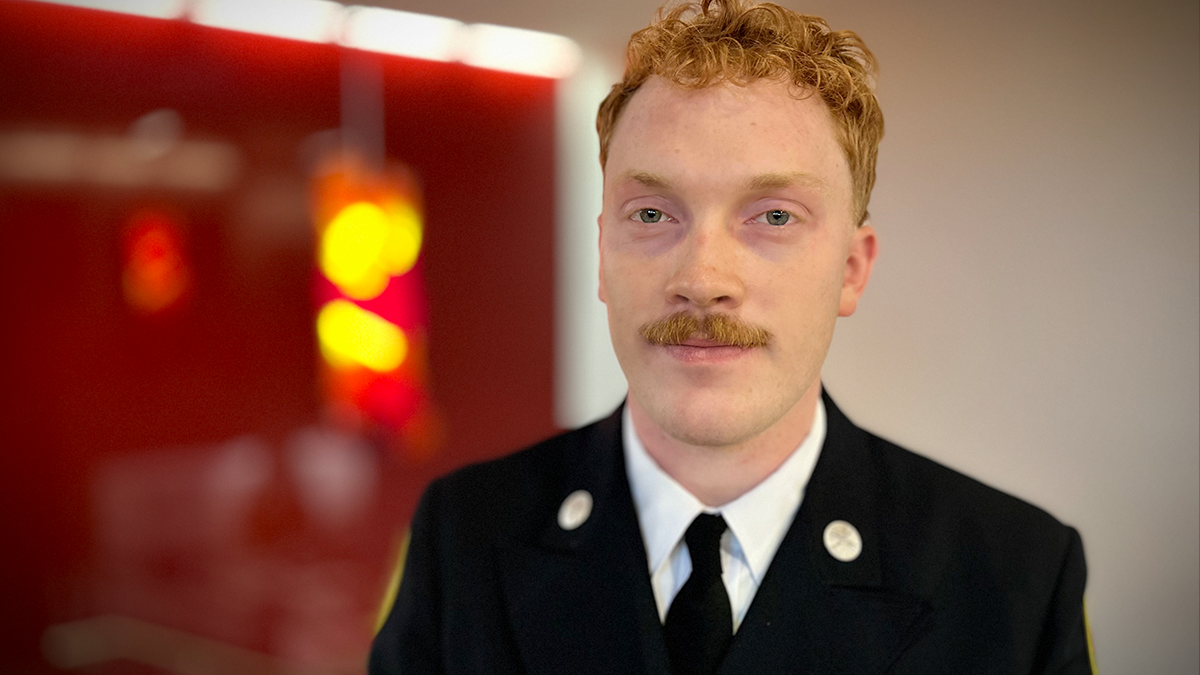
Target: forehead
{"x": 726, "y": 130}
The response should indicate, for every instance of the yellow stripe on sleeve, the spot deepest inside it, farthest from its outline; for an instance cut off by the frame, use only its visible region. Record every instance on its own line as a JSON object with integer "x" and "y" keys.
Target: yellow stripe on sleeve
{"x": 1087, "y": 627}
{"x": 394, "y": 583}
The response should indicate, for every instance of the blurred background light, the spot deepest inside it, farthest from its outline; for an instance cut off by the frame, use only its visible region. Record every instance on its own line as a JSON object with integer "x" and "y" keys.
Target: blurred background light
{"x": 518, "y": 50}
{"x": 390, "y": 31}
{"x": 209, "y": 166}
{"x": 403, "y": 243}
{"x": 349, "y": 334}
{"x": 309, "y": 20}
{"x": 41, "y": 156}
{"x": 156, "y": 133}
{"x": 156, "y": 271}
{"x": 351, "y": 249}
{"x": 118, "y": 161}
{"x": 375, "y": 29}
{"x": 158, "y": 9}
{"x": 97, "y": 641}
{"x": 366, "y": 244}
{"x": 369, "y": 230}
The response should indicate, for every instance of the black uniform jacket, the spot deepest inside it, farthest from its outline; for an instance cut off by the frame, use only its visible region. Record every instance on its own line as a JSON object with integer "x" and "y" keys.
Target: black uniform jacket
{"x": 954, "y": 577}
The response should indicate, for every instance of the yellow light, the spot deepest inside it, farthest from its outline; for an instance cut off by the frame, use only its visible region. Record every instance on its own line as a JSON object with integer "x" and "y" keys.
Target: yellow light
{"x": 403, "y": 243}
{"x": 364, "y": 245}
{"x": 351, "y": 248}
{"x": 349, "y": 334}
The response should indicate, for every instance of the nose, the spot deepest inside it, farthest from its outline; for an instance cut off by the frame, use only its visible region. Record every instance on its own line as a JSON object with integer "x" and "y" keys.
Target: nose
{"x": 706, "y": 272}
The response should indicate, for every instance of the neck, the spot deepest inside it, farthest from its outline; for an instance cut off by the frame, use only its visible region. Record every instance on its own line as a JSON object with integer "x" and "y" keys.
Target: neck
{"x": 719, "y": 475}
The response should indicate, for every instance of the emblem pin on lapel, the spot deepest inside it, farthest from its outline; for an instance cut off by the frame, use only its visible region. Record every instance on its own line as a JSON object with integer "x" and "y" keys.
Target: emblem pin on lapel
{"x": 842, "y": 540}
{"x": 575, "y": 510}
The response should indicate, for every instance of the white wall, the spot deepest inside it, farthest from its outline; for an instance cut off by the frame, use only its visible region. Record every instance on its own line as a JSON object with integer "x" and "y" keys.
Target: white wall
{"x": 1034, "y": 319}
{"x": 588, "y": 380}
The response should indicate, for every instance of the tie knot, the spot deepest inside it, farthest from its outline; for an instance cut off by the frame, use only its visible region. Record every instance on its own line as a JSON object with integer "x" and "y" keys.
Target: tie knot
{"x": 703, "y": 538}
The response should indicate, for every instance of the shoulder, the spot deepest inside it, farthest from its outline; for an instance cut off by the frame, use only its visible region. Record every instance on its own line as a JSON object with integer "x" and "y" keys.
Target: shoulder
{"x": 917, "y": 497}
{"x": 924, "y": 495}
{"x": 531, "y": 468}
{"x": 510, "y": 496}
{"x": 935, "y": 528}
{"x": 957, "y": 541}
{"x": 1002, "y": 578}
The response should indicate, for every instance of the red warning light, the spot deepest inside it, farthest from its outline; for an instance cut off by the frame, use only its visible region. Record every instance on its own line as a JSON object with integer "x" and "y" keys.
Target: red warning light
{"x": 371, "y": 319}
{"x": 155, "y": 271}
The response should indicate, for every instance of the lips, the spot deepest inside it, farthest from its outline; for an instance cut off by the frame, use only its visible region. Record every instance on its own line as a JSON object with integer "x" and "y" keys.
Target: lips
{"x": 694, "y": 351}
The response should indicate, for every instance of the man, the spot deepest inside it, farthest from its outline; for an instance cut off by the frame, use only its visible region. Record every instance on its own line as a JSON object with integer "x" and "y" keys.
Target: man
{"x": 728, "y": 518}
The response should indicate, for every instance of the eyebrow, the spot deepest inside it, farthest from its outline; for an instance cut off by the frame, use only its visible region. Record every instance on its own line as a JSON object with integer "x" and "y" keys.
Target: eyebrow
{"x": 766, "y": 181}
{"x": 776, "y": 181}
{"x": 650, "y": 180}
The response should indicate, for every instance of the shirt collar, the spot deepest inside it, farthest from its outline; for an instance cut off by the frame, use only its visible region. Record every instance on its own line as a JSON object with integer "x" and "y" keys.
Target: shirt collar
{"x": 758, "y": 519}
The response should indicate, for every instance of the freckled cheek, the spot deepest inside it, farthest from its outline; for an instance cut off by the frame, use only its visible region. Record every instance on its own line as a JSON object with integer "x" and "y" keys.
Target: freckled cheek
{"x": 793, "y": 298}
{"x": 631, "y": 284}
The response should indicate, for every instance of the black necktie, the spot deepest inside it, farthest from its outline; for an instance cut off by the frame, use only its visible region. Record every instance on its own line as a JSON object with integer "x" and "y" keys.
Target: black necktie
{"x": 700, "y": 622}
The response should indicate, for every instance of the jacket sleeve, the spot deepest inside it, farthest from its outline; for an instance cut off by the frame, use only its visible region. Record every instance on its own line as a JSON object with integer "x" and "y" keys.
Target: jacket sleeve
{"x": 410, "y": 639}
{"x": 1065, "y": 646}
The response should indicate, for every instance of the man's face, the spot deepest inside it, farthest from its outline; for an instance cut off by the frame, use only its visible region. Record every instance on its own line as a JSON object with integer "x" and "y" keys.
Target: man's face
{"x": 732, "y": 201}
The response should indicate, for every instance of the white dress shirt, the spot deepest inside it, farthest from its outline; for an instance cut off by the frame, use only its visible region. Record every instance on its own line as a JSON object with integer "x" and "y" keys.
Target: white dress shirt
{"x": 757, "y": 520}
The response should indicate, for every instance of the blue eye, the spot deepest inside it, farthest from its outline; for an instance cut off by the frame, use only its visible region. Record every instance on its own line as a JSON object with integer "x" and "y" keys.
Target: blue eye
{"x": 650, "y": 215}
{"x": 777, "y": 217}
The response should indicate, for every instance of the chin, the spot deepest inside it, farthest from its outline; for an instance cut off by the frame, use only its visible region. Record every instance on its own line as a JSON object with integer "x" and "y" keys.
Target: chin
{"x": 715, "y": 436}
{"x": 710, "y": 421}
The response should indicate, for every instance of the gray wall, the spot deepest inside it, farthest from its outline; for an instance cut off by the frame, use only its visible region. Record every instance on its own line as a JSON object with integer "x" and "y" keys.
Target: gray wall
{"x": 1034, "y": 318}
{"x": 1035, "y": 315}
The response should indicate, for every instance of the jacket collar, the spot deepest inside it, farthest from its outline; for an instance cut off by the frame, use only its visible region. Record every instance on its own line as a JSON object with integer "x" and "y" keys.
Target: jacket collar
{"x": 814, "y": 613}
{"x": 580, "y": 600}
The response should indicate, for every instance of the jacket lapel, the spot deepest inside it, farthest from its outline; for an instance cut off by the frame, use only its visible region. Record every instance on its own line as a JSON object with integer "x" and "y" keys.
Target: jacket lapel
{"x": 580, "y": 600}
{"x": 813, "y": 613}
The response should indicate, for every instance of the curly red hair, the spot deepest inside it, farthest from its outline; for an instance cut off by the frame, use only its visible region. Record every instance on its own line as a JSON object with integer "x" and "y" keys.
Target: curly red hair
{"x": 695, "y": 45}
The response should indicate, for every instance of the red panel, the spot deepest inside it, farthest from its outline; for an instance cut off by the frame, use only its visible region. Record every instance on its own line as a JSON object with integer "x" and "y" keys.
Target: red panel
{"x": 174, "y": 467}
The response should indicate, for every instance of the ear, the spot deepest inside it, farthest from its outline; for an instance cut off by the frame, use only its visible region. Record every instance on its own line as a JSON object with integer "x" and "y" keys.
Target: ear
{"x": 600, "y": 245}
{"x": 859, "y": 261}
